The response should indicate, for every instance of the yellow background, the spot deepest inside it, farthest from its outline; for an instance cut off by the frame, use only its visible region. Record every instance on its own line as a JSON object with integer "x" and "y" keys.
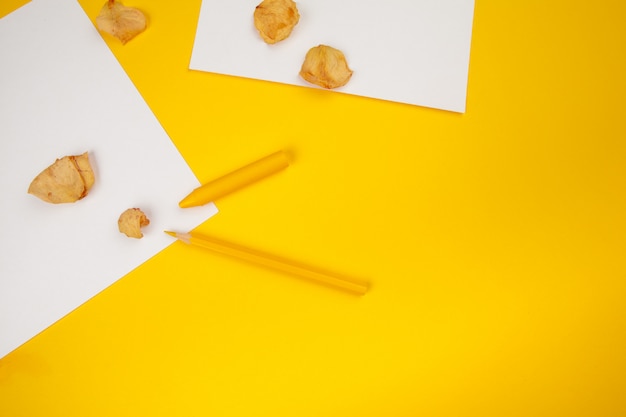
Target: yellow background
{"x": 495, "y": 242}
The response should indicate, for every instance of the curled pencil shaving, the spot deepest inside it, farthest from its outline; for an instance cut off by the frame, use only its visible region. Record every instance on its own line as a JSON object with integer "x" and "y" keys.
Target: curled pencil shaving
{"x": 326, "y": 67}
{"x": 275, "y": 19}
{"x": 67, "y": 180}
{"x": 131, "y": 221}
{"x": 121, "y": 21}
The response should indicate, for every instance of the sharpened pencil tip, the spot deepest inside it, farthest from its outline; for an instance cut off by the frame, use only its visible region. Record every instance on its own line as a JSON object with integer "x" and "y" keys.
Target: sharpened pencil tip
{"x": 183, "y": 237}
{"x": 187, "y": 202}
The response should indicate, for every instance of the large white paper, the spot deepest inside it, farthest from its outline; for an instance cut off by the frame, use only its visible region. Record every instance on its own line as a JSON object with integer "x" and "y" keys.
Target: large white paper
{"x": 64, "y": 93}
{"x": 408, "y": 51}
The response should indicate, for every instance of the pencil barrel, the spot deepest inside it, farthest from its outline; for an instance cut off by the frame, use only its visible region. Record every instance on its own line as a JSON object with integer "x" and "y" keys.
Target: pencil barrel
{"x": 236, "y": 180}
{"x": 281, "y": 264}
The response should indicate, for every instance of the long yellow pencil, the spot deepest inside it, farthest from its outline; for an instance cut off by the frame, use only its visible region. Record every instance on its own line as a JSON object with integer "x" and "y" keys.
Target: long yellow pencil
{"x": 274, "y": 262}
{"x": 236, "y": 180}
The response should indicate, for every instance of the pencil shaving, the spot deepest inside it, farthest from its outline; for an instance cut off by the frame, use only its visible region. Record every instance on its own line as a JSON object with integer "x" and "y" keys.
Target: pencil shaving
{"x": 326, "y": 67}
{"x": 67, "y": 180}
{"x": 121, "y": 21}
{"x": 275, "y": 19}
{"x": 131, "y": 221}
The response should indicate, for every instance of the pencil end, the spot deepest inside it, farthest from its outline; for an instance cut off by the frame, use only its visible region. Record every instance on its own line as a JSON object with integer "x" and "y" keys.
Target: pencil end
{"x": 187, "y": 202}
{"x": 173, "y": 234}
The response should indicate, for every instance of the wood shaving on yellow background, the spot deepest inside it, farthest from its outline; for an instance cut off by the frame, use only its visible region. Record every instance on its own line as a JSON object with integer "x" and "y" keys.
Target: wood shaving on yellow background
{"x": 121, "y": 21}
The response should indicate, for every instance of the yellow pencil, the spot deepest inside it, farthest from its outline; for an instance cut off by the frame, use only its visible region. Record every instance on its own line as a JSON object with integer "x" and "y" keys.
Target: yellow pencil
{"x": 274, "y": 262}
{"x": 236, "y": 180}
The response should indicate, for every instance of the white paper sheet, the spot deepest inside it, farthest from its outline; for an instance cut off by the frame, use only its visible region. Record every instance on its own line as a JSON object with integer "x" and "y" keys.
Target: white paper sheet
{"x": 64, "y": 93}
{"x": 408, "y": 51}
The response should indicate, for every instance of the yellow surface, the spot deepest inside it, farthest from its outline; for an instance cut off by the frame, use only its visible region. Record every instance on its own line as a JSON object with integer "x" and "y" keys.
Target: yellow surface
{"x": 291, "y": 267}
{"x": 7, "y": 6}
{"x": 495, "y": 241}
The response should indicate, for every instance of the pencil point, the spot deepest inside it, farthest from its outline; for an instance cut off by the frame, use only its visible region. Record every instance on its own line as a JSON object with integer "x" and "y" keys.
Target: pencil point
{"x": 170, "y": 233}
{"x": 185, "y": 203}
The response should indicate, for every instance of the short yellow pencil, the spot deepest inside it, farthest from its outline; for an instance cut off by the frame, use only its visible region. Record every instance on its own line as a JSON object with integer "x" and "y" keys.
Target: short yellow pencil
{"x": 236, "y": 180}
{"x": 274, "y": 262}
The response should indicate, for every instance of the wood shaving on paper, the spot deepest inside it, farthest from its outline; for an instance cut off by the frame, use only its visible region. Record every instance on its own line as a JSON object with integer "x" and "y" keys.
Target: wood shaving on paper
{"x": 131, "y": 221}
{"x": 326, "y": 67}
{"x": 67, "y": 180}
{"x": 275, "y": 19}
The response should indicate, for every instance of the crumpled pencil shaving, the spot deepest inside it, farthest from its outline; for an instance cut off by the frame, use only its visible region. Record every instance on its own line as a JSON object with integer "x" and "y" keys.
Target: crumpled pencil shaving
{"x": 67, "y": 180}
{"x": 120, "y": 21}
{"x": 131, "y": 221}
{"x": 326, "y": 67}
{"x": 275, "y": 19}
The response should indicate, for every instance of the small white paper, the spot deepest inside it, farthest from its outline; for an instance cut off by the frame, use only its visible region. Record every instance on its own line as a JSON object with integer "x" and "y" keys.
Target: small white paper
{"x": 64, "y": 93}
{"x": 409, "y": 51}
